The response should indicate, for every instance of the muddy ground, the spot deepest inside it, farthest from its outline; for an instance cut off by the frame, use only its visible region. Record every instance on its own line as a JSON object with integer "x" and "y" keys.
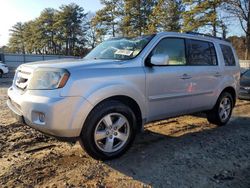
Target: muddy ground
{"x": 179, "y": 152}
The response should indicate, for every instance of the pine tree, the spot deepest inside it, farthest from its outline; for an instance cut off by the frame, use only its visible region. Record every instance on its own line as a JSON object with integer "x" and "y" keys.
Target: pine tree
{"x": 71, "y": 27}
{"x": 46, "y": 22}
{"x": 166, "y": 16}
{"x": 201, "y": 13}
{"x": 136, "y": 17}
{"x": 17, "y": 40}
{"x": 109, "y": 16}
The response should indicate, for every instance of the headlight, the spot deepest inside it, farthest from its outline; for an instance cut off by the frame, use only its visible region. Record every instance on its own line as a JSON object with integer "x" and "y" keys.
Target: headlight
{"x": 48, "y": 78}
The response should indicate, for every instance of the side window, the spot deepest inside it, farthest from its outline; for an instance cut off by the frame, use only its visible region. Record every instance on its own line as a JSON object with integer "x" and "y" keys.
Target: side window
{"x": 228, "y": 55}
{"x": 201, "y": 53}
{"x": 174, "y": 48}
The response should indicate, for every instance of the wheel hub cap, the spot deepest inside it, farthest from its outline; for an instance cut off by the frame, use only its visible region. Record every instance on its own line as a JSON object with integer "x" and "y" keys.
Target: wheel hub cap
{"x": 112, "y": 132}
{"x": 225, "y": 108}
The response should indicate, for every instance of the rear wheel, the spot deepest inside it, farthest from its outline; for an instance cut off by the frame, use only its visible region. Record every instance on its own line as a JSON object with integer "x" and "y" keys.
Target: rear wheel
{"x": 222, "y": 111}
{"x": 109, "y": 130}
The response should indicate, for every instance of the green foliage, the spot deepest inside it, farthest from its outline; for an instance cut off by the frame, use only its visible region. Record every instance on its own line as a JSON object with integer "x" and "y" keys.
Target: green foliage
{"x": 166, "y": 16}
{"x": 69, "y": 22}
{"x": 201, "y": 13}
{"x": 17, "y": 40}
{"x": 71, "y": 31}
{"x": 53, "y": 32}
{"x": 136, "y": 17}
{"x": 108, "y": 17}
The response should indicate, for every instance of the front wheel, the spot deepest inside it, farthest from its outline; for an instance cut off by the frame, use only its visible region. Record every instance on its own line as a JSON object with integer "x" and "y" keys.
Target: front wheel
{"x": 109, "y": 130}
{"x": 222, "y": 111}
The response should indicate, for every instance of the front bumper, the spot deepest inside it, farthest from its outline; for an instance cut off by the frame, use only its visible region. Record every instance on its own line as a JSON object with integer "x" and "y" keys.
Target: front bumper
{"x": 61, "y": 115}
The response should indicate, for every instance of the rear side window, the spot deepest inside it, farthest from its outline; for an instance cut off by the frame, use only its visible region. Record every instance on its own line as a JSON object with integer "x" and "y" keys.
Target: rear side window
{"x": 201, "y": 53}
{"x": 228, "y": 55}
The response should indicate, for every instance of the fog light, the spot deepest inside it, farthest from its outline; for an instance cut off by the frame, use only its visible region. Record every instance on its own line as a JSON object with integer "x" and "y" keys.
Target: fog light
{"x": 41, "y": 117}
{"x": 38, "y": 118}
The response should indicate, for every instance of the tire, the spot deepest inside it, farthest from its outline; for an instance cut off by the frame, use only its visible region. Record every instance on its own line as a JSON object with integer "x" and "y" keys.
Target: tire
{"x": 1, "y": 73}
{"x": 103, "y": 137}
{"x": 216, "y": 115}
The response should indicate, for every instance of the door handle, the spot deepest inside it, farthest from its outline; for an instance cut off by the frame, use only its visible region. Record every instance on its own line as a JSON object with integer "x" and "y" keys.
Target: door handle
{"x": 186, "y": 76}
{"x": 217, "y": 74}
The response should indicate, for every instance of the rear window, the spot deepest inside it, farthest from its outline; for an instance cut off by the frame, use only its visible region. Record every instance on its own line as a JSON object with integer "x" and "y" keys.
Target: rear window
{"x": 201, "y": 53}
{"x": 228, "y": 55}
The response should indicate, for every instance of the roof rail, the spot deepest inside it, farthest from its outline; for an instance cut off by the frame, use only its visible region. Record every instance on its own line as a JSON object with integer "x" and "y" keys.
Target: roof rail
{"x": 206, "y": 35}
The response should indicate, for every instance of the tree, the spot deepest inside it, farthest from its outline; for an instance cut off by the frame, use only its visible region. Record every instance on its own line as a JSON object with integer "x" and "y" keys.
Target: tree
{"x": 136, "y": 17}
{"x": 109, "y": 15}
{"x": 241, "y": 10}
{"x": 166, "y": 16}
{"x": 71, "y": 27}
{"x": 53, "y": 32}
{"x": 93, "y": 35}
{"x": 47, "y": 31}
{"x": 201, "y": 13}
{"x": 17, "y": 41}
{"x": 239, "y": 45}
{"x": 29, "y": 35}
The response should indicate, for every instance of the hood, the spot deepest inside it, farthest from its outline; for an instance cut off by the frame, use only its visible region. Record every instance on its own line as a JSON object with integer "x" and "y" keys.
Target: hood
{"x": 72, "y": 64}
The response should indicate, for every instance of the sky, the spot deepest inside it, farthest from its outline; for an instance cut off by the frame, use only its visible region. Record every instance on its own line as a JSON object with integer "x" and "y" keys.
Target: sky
{"x": 13, "y": 11}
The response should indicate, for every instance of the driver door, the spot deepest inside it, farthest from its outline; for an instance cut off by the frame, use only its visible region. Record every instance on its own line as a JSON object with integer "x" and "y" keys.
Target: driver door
{"x": 168, "y": 87}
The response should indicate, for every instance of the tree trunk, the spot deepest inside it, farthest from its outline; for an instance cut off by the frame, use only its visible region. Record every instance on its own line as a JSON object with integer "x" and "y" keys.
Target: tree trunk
{"x": 247, "y": 56}
{"x": 214, "y": 24}
{"x": 113, "y": 29}
{"x": 113, "y": 23}
{"x": 67, "y": 47}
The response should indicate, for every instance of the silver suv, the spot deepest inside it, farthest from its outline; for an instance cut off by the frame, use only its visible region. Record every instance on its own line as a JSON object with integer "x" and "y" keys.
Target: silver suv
{"x": 104, "y": 99}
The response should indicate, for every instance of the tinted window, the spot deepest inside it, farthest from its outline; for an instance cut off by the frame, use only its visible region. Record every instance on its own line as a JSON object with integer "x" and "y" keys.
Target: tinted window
{"x": 246, "y": 74}
{"x": 228, "y": 55}
{"x": 201, "y": 53}
{"x": 174, "y": 48}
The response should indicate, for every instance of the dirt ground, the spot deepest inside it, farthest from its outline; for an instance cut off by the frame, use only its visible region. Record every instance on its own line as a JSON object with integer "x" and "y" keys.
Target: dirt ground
{"x": 179, "y": 152}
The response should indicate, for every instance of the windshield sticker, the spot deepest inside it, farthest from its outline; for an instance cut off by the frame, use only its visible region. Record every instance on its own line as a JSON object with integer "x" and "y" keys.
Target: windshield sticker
{"x": 124, "y": 52}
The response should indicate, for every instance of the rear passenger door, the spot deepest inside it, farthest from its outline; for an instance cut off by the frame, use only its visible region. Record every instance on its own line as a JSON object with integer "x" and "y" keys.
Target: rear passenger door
{"x": 206, "y": 73}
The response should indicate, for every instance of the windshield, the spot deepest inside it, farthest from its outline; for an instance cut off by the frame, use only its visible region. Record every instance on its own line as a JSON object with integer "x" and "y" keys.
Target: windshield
{"x": 120, "y": 48}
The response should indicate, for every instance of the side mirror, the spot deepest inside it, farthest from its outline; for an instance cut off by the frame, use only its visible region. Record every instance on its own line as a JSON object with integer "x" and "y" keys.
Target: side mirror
{"x": 159, "y": 59}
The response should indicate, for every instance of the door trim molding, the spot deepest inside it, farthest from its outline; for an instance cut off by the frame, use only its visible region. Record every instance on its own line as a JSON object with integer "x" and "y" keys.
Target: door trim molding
{"x": 175, "y": 96}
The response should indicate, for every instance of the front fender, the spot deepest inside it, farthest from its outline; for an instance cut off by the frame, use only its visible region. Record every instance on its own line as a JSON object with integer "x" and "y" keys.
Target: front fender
{"x": 91, "y": 99}
{"x": 108, "y": 91}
